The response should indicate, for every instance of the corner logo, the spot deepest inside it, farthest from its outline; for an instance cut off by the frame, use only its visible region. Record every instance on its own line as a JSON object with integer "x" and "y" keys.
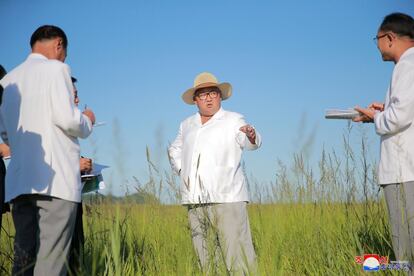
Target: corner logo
{"x": 371, "y": 262}
{"x": 375, "y": 262}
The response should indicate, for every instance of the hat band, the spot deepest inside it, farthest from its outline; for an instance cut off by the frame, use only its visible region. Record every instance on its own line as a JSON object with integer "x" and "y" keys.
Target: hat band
{"x": 206, "y": 84}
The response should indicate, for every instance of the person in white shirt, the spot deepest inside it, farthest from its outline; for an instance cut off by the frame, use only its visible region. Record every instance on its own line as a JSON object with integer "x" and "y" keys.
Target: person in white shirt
{"x": 4, "y": 152}
{"x": 394, "y": 122}
{"x": 206, "y": 154}
{"x": 78, "y": 238}
{"x": 41, "y": 124}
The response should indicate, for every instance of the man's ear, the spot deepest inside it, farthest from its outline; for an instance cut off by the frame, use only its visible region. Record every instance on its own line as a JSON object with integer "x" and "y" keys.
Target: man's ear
{"x": 391, "y": 37}
{"x": 59, "y": 44}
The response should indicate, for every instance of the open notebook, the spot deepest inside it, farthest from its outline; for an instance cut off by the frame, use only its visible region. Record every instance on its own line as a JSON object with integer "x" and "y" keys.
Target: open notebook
{"x": 94, "y": 181}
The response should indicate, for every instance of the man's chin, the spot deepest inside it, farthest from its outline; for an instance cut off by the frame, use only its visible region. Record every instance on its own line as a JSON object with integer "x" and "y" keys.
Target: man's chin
{"x": 209, "y": 111}
{"x": 386, "y": 58}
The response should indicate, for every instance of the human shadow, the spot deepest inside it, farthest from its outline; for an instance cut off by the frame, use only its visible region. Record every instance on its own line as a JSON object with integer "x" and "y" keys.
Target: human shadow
{"x": 29, "y": 170}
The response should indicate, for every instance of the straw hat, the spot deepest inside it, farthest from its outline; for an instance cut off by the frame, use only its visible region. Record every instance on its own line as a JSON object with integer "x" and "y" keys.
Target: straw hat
{"x": 206, "y": 80}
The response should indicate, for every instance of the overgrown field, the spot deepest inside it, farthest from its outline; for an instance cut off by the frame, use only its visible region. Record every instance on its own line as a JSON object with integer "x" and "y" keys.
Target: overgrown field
{"x": 290, "y": 239}
{"x": 313, "y": 219}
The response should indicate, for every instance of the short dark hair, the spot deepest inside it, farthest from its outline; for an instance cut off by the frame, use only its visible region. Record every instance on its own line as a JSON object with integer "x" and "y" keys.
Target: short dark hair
{"x": 48, "y": 32}
{"x": 398, "y": 23}
{"x": 3, "y": 72}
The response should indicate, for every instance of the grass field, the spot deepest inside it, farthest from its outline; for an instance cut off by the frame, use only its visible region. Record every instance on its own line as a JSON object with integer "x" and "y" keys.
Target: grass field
{"x": 290, "y": 239}
{"x": 312, "y": 220}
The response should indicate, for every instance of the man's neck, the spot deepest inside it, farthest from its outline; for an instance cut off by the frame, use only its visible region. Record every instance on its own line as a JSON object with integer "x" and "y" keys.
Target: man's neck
{"x": 43, "y": 48}
{"x": 40, "y": 52}
{"x": 402, "y": 50}
{"x": 205, "y": 118}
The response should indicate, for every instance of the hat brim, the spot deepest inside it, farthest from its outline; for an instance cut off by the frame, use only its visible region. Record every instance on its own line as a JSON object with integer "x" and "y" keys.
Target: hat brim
{"x": 224, "y": 87}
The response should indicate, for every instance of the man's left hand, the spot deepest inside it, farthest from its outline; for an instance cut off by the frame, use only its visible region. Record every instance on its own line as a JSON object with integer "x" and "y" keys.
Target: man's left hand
{"x": 366, "y": 115}
{"x": 85, "y": 165}
{"x": 250, "y": 133}
{"x": 4, "y": 150}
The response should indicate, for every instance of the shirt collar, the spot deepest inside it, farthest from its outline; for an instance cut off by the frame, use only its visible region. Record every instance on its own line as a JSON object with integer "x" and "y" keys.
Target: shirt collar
{"x": 36, "y": 56}
{"x": 407, "y": 52}
{"x": 217, "y": 116}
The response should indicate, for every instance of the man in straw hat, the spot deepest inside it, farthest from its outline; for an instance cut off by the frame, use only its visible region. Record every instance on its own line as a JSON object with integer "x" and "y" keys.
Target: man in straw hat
{"x": 206, "y": 155}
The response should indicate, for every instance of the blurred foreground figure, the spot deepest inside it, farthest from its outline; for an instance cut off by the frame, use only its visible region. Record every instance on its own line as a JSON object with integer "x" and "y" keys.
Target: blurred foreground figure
{"x": 78, "y": 238}
{"x": 4, "y": 152}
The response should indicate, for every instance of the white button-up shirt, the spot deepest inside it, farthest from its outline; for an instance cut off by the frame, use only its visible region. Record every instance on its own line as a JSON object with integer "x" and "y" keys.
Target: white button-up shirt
{"x": 41, "y": 123}
{"x": 207, "y": 158}
{"x": 395, "y": 124}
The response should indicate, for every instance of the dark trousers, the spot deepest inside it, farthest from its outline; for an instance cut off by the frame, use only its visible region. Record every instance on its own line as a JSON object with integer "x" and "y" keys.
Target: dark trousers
{"x": 77, "y": 245}
{"x": 3, "y": 207}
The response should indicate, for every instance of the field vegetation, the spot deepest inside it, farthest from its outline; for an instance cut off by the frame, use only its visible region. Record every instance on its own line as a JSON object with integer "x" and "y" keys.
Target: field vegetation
{"x": 313, "y": 219}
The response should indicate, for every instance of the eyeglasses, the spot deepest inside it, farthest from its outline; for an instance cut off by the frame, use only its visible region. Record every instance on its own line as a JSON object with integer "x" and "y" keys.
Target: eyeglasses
{"x": 212, "y": 94}
{"x": 377, "y": 38}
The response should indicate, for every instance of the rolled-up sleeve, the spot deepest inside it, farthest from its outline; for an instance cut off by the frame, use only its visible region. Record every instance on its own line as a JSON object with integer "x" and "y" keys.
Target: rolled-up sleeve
{"x": 400, "y": 112}
{"x": 175, "y": 151}
{"x": 65, "y": 114}
{"x": 242, "y": 139}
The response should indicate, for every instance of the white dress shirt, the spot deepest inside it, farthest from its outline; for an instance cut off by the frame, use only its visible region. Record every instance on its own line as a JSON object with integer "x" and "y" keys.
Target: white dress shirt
{"x": 41, "y": 123}
{"x": 395, "y": 124}
{"x": 207, "y": 158}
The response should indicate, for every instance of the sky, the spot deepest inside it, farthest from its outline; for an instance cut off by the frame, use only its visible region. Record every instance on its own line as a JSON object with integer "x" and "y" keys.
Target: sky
{"x": 288, "y": 61}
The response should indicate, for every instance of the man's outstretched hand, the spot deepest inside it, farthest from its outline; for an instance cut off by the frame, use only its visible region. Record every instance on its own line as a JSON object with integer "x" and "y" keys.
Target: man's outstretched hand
{"x": 250, "y": 133}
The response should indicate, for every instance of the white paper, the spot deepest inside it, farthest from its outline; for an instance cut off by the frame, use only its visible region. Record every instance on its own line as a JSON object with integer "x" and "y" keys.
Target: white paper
{"x": 346, "y": 114}
{"x": 97, "y": 124}
{"x": 93, "y": 178}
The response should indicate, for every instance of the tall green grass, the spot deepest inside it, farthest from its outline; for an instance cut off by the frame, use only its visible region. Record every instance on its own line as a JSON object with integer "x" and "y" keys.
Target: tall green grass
{"x": 313, "y": 219}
